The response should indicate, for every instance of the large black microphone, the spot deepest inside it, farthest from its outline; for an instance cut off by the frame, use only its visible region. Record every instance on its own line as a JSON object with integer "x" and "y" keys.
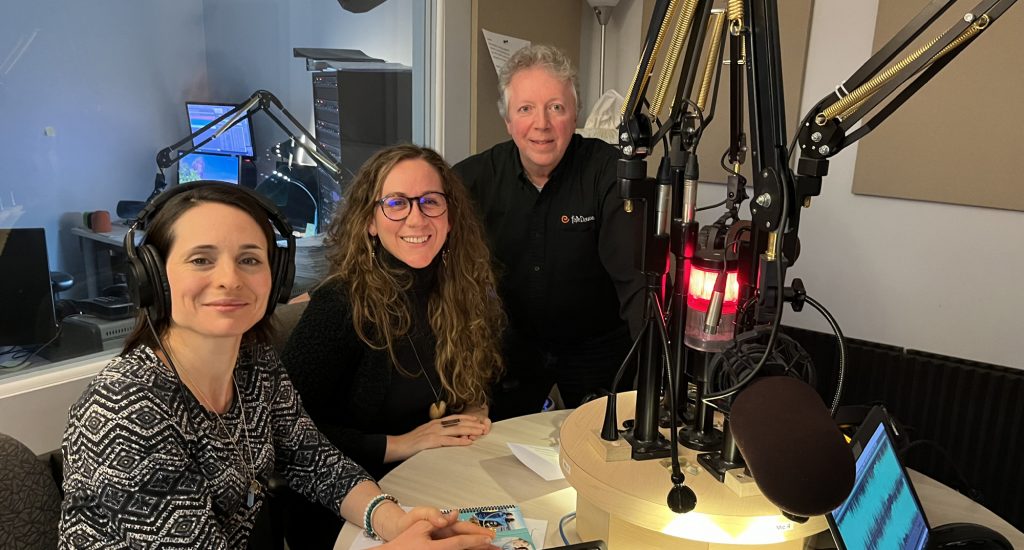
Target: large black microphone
{"x": 792, "y": 446}
{"x": 360, "y": 6}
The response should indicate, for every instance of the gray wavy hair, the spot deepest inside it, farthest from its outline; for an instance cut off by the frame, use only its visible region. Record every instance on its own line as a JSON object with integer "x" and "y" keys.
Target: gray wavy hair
{"x": 551, "y": 58}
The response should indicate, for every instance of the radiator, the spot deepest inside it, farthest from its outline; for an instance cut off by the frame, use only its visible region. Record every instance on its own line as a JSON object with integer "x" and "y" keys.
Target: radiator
{"x": 974, "y": 411}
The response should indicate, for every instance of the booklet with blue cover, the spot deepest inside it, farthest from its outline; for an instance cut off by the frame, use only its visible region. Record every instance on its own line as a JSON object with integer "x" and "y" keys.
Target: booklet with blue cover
{"x": 511, "y": 532}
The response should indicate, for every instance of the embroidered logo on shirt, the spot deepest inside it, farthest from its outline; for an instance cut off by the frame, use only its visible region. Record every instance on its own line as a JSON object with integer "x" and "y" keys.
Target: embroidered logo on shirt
{"x": 577, "y": 219}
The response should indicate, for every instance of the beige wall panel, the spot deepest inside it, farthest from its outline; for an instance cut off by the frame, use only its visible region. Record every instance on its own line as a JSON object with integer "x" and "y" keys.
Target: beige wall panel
{"x": 955, "y": 140}
{"x": 555, "y": 22}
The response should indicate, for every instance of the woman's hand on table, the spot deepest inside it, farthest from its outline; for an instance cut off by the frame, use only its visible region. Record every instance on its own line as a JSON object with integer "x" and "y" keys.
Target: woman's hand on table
{"x": 425, "y": 528}
{"x": 450, "y": 431}
{"x": 481, "y": 412}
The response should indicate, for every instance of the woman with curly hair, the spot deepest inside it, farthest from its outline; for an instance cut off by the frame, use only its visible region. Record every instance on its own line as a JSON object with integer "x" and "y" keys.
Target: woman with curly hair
{"x": 399, "y": 345}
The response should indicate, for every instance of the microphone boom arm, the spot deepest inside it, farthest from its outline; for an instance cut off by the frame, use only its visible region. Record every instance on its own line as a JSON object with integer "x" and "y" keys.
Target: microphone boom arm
{"x": 824, "y": 131}
{"x": 260, "y": 100}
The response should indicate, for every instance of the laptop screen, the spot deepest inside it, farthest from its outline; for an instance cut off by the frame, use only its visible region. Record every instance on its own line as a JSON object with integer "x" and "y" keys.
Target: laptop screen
{"x": 882, "y": 511}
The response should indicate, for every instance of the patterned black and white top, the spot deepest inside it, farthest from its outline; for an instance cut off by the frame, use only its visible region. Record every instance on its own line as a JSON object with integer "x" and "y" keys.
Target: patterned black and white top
{"x": 146, "y": 466}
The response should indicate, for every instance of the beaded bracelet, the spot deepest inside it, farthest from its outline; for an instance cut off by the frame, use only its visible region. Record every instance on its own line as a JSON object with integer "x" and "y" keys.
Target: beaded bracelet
{"x": 368, "y": 515}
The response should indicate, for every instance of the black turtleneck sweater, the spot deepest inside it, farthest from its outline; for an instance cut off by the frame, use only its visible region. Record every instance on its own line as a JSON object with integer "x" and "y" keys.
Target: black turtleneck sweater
{"x": 354, "y": 393}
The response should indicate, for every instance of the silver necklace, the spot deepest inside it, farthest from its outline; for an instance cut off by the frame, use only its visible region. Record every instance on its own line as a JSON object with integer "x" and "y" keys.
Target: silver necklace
{"x": 438, "y": 407}
{"x": 254, "y": 486}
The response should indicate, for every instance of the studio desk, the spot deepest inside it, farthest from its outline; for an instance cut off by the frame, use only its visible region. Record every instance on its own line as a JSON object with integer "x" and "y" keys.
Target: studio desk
{"x": 623, "y": 502}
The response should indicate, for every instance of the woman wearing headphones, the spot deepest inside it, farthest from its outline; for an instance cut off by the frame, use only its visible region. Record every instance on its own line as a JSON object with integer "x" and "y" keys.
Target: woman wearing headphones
{"x": 174, "y": 441}
{"x": 398, "y": 346}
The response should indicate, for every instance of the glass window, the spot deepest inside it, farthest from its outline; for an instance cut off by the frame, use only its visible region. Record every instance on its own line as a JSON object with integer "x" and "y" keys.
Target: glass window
{"x": 90, "y": 92}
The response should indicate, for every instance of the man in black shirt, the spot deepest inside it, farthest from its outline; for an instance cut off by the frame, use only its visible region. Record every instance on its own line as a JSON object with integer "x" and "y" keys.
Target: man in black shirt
{"x": 550, "y": 202}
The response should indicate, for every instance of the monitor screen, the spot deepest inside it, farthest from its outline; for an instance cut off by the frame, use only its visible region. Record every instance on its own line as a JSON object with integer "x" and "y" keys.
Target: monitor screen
{"x": 204, "y": 166}
{"x": 882, "y": 511}
{"x": 27, "y": 317}
{"x": 236, "y": 141}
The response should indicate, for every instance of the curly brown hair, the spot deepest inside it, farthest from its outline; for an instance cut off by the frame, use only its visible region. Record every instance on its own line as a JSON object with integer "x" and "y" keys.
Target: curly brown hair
{"x": 465, "y": 312}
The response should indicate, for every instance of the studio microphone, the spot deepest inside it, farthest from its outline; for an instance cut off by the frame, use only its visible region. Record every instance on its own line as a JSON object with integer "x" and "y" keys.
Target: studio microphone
{"x": 359, "y": 6}
{"x": 792, "y": 446}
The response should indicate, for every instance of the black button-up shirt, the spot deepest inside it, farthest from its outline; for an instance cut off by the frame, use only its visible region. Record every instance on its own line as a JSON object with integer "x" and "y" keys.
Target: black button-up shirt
{"x": 566, "y": 253}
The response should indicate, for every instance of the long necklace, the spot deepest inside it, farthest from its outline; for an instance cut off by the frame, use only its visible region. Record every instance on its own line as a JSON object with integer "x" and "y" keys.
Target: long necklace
{"x": 254, "y": 486}
{"x": 438, "y": 407}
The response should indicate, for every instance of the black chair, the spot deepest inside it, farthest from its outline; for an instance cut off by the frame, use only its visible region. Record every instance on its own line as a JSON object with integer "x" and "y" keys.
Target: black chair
{"x": 29, "y": 498}
{"x": 59, "y": 282}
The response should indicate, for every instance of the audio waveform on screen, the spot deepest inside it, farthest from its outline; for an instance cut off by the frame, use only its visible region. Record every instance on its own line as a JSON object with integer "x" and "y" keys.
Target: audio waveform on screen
{"x": 881, "y": 511}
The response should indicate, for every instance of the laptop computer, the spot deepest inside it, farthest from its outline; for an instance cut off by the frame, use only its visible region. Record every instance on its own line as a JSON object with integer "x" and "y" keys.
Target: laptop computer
{"x": 883, "y": 511}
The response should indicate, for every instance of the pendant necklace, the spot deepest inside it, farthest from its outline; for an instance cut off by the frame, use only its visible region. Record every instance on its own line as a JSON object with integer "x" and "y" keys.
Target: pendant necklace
{"x": 438, "y": 407}
{"x": 254, "y": 486}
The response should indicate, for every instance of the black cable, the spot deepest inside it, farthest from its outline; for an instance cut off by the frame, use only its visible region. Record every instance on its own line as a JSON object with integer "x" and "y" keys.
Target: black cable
{"x": 185, "y": 393}
{"x": 728, "y": 168}
{"x": 776, "y": 321}
{"x": 28, "y": 356}
{"x": 841, "y": 343}
{"x": 625, "y": 362}
{"x": 681, "y": 499}
{"x": 970, "y": 491}
{"x": 710, "y": 206}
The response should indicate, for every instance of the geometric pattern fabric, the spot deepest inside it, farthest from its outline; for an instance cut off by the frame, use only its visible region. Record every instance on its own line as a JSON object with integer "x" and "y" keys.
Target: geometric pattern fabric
{"x": 147, "y": 466}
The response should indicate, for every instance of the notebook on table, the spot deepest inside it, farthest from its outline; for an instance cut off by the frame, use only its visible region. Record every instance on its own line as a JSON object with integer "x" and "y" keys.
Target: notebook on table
{"x": 511, "y": 531}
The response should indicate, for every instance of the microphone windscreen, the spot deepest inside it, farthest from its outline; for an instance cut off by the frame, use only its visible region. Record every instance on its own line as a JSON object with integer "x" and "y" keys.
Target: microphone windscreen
{"x": 793, "y": 448}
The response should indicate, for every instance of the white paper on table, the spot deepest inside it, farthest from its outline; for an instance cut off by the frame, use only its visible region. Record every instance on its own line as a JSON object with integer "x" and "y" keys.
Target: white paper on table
{"x": 542, "y": 460}
{"x": 502, "y": 47}
{"x": 538, "y": 530}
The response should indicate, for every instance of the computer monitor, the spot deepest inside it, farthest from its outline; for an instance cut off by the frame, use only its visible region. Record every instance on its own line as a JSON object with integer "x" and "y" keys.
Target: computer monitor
{"x": 236, "y": 141}
{"x": 206, "y": 166}
{"x": 27, "y": 317}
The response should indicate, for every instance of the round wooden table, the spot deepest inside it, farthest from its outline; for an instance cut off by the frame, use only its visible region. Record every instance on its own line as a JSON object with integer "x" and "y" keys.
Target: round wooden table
{"x": 482, "y": 474}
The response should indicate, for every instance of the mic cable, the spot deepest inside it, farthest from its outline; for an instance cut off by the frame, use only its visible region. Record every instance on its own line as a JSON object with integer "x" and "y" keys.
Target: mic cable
{"x": 681, "y": 499}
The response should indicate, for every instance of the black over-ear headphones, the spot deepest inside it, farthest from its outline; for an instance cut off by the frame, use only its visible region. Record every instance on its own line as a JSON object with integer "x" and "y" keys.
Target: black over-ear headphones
{"x": 147, "y": 278}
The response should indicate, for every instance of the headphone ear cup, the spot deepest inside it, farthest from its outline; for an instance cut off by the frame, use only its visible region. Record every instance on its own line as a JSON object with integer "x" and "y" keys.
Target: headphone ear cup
{"x": 155, "y": 294}
{"x": 282, "y": 273}
{"x": 139, "y": 287}
{"x": 275, "y": 281}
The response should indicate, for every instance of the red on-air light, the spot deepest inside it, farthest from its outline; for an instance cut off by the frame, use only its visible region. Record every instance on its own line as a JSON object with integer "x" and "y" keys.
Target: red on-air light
{"x": 702, "y": 284}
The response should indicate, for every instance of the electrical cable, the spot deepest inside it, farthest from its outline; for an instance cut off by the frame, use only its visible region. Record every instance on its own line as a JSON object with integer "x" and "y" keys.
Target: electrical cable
{"x": 625, "y": 363}
{"x": 25, "y": 356}
{"x": 561, "y": 526}
{"x": 777, "y": 319}
{"x": 841, "y": 343}
{"x": 969, "y": 490}
{"x": 710, "y": 206}
{"x": 681, "y": 499}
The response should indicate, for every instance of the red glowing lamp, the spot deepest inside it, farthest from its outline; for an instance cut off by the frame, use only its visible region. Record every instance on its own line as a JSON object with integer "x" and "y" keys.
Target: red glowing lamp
{"x": 702, "y": 285}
